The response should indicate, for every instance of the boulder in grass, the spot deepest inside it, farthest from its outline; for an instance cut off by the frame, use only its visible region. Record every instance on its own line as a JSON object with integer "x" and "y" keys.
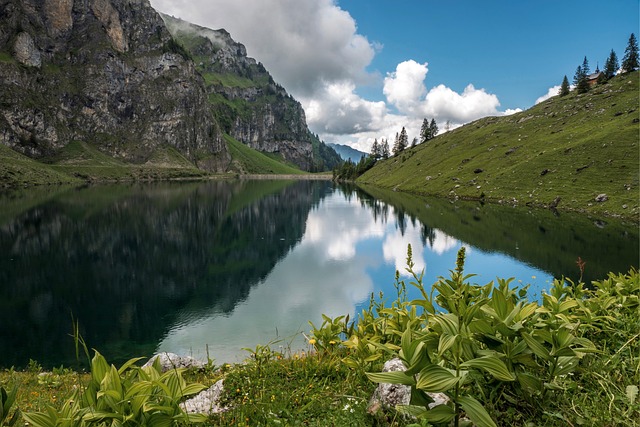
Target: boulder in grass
{"x": 206, "y": 402}
{"x": 173, "y": 361}
{"x": 390, "y": 395}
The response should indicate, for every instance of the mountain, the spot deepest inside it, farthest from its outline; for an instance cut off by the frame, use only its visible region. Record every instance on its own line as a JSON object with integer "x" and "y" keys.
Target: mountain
{"x": 576, "y": 152}
{"x": 247, "y": 103}
{"x": 348, "y": 153}
{"x": 100, "y": 89}
{"x": 102, "y": 72}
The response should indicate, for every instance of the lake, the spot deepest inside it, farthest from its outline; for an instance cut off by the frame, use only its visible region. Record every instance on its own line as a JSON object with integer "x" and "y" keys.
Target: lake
{"x": 220, "y": 266}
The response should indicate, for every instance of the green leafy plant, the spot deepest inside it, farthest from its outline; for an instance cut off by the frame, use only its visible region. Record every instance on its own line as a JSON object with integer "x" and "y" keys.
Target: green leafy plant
{"x": 128, "y": 396}
{"x": 7, "y": 400}
{"x": 485, "y": 347}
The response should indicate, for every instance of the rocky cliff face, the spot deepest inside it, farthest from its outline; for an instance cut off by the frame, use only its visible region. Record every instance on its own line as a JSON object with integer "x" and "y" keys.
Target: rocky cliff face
{"x": 246, "y": 101}
{"x": 102, "y": 71}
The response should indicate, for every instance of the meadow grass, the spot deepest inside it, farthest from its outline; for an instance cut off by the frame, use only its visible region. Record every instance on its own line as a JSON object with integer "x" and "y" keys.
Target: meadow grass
{"x": 574, "y": 147}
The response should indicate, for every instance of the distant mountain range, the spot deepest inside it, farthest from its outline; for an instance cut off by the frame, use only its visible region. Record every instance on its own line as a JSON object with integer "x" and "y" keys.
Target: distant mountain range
{"x": 347, "y": 152}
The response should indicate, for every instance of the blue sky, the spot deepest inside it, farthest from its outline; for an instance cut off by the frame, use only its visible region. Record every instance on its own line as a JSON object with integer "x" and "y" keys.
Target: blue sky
{"x": 363, "y": 69}
{"x": 515, "y": 49}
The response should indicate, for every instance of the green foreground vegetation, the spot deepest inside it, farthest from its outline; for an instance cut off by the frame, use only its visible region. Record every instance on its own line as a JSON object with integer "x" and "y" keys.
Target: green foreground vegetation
{"x": 573, "y": 147}
{"x": 572, "y": 358}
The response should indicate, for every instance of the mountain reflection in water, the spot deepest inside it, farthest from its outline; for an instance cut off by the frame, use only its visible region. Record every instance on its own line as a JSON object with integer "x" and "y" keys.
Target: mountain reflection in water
{"x": 233, "y": 264}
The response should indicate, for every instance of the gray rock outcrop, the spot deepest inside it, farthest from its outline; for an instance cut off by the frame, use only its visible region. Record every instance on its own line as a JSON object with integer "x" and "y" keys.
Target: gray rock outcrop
{"x": 252, "y": 107}
{"x": 206, "y": 402}
{"x": 170, "y": 361}
{"x": 106, "y": 72}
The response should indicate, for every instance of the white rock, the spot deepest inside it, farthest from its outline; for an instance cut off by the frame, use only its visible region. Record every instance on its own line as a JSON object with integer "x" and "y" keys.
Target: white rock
{"x": 206, "y": 402}
{"x": 171, "y": 361}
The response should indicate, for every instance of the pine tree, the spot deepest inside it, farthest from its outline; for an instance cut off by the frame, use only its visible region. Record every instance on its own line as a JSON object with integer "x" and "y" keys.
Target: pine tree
{"x": 375, "y": 150}
{"x": 577, "y": 76}
{"x": 396, "y": 145}
{"x": 630, "y": 61}
{"x": 414, "y": 142}
{"x": 585, "y": 67}
{"x": 611, "y": 65}
{"x": 580, "y": 80}
{"x": 425, "y": 134}
{"x": 447, "y": 126}
{"x": 385, "y": 149}
{"x": 404, "y": 139}
{"x": 564, "y": 87}
{"x": 433, "y": 128}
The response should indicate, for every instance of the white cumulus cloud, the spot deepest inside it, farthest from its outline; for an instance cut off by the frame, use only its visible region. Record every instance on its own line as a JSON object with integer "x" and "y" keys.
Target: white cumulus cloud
{"x": 338, "y": 110}
{"x": 405, "y": 87}
{"x": 303, "y": 43}
{"x": 550, "y": 93}
{"x": 313, "y": 48}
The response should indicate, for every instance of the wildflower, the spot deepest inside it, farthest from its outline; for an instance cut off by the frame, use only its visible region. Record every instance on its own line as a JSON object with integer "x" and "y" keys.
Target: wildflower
{"x": 332, "y": 342}
{"x": 312, "y": 341}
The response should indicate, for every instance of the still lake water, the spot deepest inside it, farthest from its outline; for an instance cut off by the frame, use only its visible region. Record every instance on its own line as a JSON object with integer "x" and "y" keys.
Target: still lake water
{"x": 226, "y": 265}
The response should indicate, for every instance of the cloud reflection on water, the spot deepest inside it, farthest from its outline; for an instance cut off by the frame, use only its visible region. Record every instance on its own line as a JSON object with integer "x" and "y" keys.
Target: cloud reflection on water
{"x": 346, "y": 254}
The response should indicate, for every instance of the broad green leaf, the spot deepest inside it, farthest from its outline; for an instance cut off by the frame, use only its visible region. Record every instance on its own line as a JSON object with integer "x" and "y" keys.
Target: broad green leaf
{"x": 449, "y": 323}
{"x": 440, "y": 414}
{"x": 192, "y": 418}
{"x": 6, "y": 401}
{"x": 160, "y": 420}
{"x": 99, "y": 367}
{"x": 425, "y": 303}
{"x": 529, "y": 382}
{"x": 391, "y": 378}
{"x": 412, "y": 410}
{"x": 192, "y": 389}
{"x": 476, "y": 412}
{"x": 537, "y": 348}
{"x": 93, "y": 415}
{"x": 405, "y": 344}
{"x": 436, "y": 379}
{"x": 493, "y": 365}
{"x": 527, "y": 310}
{"x": 112, "y": 381}
{"x": 563, "y": 352}
{"x": 500, "y": 304}
{"x": 566, "y": 305}
{"x": 446, "y": 342}
{"x": 128, "y": 364}
{"x": 38, "y": 419}
{"x": 566, "y": 365}
{"x": 481, "y": 326}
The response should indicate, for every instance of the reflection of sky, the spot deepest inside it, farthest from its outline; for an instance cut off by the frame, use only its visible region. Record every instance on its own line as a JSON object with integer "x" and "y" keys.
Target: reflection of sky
{"x": 344, "y": 256}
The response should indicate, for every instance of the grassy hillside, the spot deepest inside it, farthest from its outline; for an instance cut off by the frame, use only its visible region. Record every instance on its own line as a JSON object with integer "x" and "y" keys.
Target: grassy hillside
{"x": 574, "y": 147}
{"x": 17, "y": 170}
{"x": 246, "y": 160}
{"x": 79, "y": 161}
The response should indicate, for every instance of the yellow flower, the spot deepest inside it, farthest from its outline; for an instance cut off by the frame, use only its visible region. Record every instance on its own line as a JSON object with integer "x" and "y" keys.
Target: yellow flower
{"x": 332, "y": 342}
{"x": 312, "y": 341}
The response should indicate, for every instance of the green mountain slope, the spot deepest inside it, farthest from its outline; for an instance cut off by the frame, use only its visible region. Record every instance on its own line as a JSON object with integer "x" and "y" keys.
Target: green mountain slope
{"x": 17, "y": 170}
{"x": 575, "y": 147}
{"x": 246, "y": 160}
